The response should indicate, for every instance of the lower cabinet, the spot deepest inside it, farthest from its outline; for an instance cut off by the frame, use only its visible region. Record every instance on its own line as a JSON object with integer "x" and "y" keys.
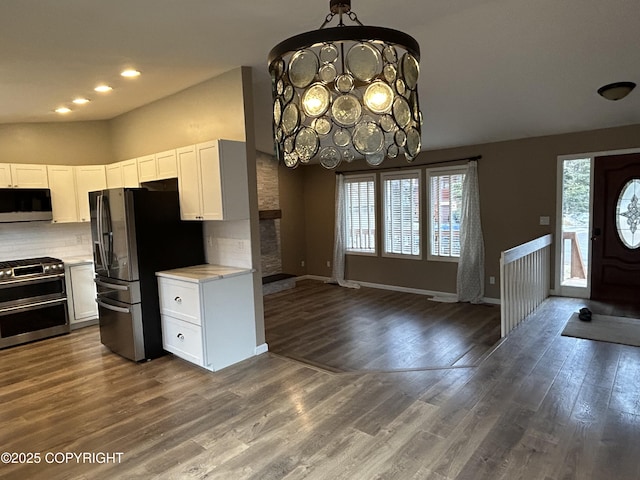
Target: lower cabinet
{"x": 81, "y": 294}
{"x": 208, "y": 322}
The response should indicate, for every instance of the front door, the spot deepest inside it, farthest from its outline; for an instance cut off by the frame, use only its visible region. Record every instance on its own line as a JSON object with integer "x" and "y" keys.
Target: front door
{"x": 615, "y": 273}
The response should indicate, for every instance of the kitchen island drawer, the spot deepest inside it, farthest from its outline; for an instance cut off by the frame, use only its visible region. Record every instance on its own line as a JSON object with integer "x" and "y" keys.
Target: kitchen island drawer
{"x": 182, "y": 339}
{"x": 180, "y": 300}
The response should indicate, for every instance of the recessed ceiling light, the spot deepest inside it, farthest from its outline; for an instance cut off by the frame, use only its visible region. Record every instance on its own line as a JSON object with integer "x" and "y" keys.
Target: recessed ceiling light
{"x": 81, "y": 100}
{"x": 130, "y": 73}
{"x": 103, "y": 88}
{"x": 62, "y": 110}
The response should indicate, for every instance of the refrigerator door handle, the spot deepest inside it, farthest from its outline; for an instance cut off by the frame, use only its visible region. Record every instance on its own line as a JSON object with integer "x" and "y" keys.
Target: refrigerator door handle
{"x": 100, "y": 225}
{"x": 114, "y": 286}
{"x": 113, "y": 307}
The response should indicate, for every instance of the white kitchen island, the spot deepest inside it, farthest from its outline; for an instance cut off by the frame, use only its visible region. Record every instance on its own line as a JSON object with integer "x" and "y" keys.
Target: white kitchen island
{"x": 208, "y": 315}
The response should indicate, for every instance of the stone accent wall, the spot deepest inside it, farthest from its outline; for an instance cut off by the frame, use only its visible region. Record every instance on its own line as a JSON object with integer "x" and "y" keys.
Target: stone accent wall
{"x": 269, "y": 199}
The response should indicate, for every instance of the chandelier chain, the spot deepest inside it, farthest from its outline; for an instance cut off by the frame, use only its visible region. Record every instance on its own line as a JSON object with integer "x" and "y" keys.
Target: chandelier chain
{"x": 352, "y": 16}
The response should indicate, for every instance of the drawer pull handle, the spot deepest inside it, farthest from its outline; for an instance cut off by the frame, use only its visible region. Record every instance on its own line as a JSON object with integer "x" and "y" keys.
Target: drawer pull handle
{"x": 178, "y": 300}
{"x": 180, "y": 336}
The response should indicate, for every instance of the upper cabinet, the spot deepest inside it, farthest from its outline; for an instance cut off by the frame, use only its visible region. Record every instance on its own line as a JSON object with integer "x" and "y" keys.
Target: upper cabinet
{"x": 166, "y": 165}
{"x": 122, "y": 174}
{"x": 89, "y": 178}
{"x": 64, "y": 201}
{"x": 23, "y": 176}
{"x": 158, "y": 166}
{"x": 212, "y": 181}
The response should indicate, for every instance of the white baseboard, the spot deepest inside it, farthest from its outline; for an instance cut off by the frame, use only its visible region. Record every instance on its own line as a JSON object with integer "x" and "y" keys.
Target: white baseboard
{"x": 395, "y": 288}
{"x": 264, "y": 348}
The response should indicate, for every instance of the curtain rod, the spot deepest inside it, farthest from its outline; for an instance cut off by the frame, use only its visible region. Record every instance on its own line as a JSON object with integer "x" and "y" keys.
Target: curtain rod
{"x": 476, "y": 157}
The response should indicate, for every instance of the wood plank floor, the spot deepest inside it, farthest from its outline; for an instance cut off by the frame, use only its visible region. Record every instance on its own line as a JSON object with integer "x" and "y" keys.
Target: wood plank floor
{"x": 541, "y": 406}
{"x": 347, "y": 330}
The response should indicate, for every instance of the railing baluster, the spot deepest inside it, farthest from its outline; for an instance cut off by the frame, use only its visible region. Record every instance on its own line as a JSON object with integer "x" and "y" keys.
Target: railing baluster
{"x": 524, "y": 281}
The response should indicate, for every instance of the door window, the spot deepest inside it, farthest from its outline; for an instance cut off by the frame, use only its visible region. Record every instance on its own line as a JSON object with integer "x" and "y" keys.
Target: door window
{"x": 628, "y": 214}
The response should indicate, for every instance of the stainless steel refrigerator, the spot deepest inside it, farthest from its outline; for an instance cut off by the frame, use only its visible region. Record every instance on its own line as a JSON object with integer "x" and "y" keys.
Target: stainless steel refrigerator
{"x": 137, "y": 232}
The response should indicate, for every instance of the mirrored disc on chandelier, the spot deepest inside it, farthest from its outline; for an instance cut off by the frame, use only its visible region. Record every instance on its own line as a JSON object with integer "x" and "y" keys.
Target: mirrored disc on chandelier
{"x": 303, "y": 68}
{"x": 368, "y": 138}
{"x": 364, "y": 61}
{"x": 330, "y": 157}
{"x": 307, "y": 143}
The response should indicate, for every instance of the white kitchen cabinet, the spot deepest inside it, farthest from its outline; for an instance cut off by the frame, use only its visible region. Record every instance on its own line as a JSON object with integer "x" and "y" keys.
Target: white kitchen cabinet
{"x": 212, "y": 181}
{"x": 81, "y": 293}
{"x": 166, "y": 165}
{"x": 122, "y": 174}
{"x": 89, "y": 178}
{"x": 64, "y": 201}
{"x": 147, "y": 170}
{"x": 208, "y": 319}
{"x": 5, "y": 176}
{"x": 16, "y": 175}
{"x": 158, "y": 166}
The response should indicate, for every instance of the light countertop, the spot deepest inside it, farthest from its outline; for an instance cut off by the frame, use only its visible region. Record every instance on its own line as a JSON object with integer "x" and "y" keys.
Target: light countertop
{"x": 79, "y": 260}
{"x": 203, "y": 273}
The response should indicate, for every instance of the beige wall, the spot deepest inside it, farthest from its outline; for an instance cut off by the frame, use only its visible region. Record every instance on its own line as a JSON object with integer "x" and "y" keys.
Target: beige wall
{"x": 209, "y": 110}
{"x": 68, "y": 143}
{"x": 517, "y": 186}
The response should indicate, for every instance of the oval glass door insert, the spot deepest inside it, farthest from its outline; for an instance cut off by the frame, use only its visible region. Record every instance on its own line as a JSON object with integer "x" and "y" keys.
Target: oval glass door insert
{"x": 628, "y": 214}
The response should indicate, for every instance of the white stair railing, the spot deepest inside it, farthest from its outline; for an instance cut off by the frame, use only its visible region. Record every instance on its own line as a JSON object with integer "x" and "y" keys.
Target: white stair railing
{"x": 525, "y": 273}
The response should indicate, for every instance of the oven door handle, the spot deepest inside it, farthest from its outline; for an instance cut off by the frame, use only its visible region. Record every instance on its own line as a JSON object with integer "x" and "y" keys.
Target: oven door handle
{"x": 42, "y": 279}
{"x": 33, "y": 305}
{"x": 113, "y": 307}
{"x": 115, "y": 286}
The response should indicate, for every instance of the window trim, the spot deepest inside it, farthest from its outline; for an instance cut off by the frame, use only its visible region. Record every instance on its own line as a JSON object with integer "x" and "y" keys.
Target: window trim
{"x": 355, "y": 178}
{"x": 437, "y": 172}
{"x": 401, "y": 174}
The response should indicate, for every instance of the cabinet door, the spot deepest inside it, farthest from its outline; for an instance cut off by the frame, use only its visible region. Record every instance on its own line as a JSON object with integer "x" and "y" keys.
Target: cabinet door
{"x": 130, "y": 173}
{"x": 189, "y": 183}
{"x": 166, "y": 165}
{"x": 114, "y": 175}
{"x": 29, "y": 176}
{"x": 88, "y": 179}
{"x": 5, "y": 175}
{"x": 147, "y": 170}
{"x": 210, "y": 180}
{"x": 64, "y": 201}
{"x": 84, "y": 292}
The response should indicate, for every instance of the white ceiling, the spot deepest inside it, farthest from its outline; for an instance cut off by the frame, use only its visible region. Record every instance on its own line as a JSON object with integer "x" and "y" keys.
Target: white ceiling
{"x": 490, "y": 69}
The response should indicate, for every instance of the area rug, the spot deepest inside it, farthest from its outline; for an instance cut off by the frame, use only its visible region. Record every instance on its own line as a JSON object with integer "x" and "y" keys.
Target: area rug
{"x": 605, "y": 328}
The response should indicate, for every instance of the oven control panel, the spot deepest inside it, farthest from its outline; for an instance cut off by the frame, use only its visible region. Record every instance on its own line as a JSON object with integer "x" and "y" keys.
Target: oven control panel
{"x": 34, "y": 267}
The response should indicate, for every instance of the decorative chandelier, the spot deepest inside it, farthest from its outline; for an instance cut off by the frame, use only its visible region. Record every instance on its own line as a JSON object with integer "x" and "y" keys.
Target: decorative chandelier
{"x": 344, "y": 92}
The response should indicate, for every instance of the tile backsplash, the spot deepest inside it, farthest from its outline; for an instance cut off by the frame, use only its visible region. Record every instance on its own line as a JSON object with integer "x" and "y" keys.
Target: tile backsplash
{"x": 39, "y": 239}
{"x": 228, "y": 243}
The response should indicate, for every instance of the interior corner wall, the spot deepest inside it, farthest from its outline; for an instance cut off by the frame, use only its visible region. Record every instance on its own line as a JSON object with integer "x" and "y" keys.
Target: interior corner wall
{"x": 293, "y": 237}
{"x": 517, "y": 181}
{"x": 212, "y": 109}
{"x": 56, "y": 143}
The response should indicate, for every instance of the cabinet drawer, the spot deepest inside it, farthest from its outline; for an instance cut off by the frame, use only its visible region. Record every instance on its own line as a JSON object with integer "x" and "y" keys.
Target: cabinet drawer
{"x": 180, "y": 300}
{"x": 182, "y": 339}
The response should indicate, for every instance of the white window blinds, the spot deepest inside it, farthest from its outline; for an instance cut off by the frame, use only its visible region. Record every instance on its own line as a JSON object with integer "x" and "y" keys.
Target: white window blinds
{"x": 360, "y": 213}
{"x": 445, "y": 211}
{"x": 401, "y": 198}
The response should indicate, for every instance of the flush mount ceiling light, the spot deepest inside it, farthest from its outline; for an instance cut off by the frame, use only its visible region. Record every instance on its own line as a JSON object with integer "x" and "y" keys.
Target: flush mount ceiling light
{"x": 617, "y": 90}
{"x": 345, "y": 91}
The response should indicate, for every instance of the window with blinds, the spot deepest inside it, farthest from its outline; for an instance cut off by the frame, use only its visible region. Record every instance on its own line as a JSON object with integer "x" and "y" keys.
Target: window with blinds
{"x": 445, "y": 211}
{"x": 360, "y": 213}
{"x": 401, "y": 204}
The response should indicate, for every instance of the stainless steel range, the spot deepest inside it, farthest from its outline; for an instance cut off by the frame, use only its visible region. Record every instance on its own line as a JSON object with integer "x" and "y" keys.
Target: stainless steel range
{"x": 33, "y": 300}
